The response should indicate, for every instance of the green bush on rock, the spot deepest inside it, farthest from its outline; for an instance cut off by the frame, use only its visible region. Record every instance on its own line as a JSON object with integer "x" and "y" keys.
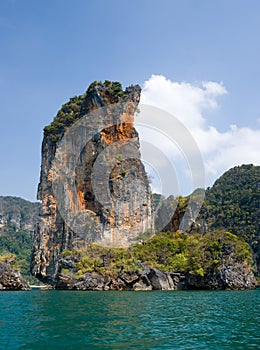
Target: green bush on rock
{"x": 111, "y": 92}
{"x": 168, "y": 251}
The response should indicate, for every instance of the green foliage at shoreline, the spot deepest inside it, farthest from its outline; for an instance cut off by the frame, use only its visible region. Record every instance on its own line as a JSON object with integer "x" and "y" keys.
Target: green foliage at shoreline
{"x": 168, "y": 251}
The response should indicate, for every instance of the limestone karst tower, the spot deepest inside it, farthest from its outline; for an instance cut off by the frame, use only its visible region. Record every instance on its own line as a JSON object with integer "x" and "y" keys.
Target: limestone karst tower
{"x": 93, "y": 185}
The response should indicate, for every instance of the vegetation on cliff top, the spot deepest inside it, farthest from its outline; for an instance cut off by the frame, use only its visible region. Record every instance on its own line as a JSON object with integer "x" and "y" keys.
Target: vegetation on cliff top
{"x": 168, "y": 251}
{"x": 71, "y": 111}
{"x": 65, "y": 117}
{"x": 111, "y": 89}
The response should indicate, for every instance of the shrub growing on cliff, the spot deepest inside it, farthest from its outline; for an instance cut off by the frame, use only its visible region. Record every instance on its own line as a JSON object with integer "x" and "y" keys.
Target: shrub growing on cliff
{"x": 7, "y": 257}
{"x": 66, "y": 116}
{"x": 111, "y": 92}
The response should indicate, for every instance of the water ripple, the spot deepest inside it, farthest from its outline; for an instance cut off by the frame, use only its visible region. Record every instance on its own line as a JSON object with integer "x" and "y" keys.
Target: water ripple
{"x": 130, "y": 320}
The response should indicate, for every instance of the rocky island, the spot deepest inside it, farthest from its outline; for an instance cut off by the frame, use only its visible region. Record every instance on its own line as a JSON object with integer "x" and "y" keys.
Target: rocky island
{"x": 100, "y": 232}
{"x": 118, "y": 248}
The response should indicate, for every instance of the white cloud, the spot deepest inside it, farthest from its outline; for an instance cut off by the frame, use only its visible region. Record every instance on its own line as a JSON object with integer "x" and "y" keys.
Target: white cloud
{"x": 184, "y": 100}
{"x": 190, "y": 103}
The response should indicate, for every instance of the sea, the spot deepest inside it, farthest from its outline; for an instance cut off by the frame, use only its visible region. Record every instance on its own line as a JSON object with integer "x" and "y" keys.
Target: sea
{"x": 51, "y": 319}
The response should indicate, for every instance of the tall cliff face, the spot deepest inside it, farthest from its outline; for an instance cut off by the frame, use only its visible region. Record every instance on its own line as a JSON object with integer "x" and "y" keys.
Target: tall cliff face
{"x": 93, "y": 185}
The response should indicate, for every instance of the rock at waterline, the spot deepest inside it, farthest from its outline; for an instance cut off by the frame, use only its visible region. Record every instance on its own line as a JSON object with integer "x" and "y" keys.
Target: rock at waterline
{"x": 11, "y": 279}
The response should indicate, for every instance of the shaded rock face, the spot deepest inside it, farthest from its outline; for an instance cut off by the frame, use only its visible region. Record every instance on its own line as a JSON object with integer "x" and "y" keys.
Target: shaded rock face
{"x": 144, "y": 279}
{"x": 118, "y": 200}
{"x": 11, "y": 279}
{"x": 231, "y": 274}
{"x": 191, "y": 219}
{"x": 235, "y": 277}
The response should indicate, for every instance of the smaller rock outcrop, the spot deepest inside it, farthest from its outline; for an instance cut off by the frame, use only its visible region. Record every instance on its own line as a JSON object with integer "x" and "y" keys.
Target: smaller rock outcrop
{"x": 229, "y": 277}
{"x": 161, "y": 280}
{"x": 166, "y": 261}
{"x": 10, "y": 278}
{"x": 231, "y": 272}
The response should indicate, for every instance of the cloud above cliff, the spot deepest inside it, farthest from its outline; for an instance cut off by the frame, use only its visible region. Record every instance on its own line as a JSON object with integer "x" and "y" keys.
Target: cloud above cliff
{"x": 192, "y": 104}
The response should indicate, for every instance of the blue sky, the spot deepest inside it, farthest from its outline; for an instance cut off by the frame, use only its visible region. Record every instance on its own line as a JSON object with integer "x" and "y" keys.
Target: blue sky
{"x": 52, "y": 50}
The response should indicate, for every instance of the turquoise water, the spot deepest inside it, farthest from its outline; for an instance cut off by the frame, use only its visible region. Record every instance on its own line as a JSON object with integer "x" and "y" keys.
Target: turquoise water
{"x": 130, "y": 320}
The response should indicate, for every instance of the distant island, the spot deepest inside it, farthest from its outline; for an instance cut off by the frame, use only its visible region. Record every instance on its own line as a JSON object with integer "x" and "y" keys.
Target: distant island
{"x": 120, "y": 247}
